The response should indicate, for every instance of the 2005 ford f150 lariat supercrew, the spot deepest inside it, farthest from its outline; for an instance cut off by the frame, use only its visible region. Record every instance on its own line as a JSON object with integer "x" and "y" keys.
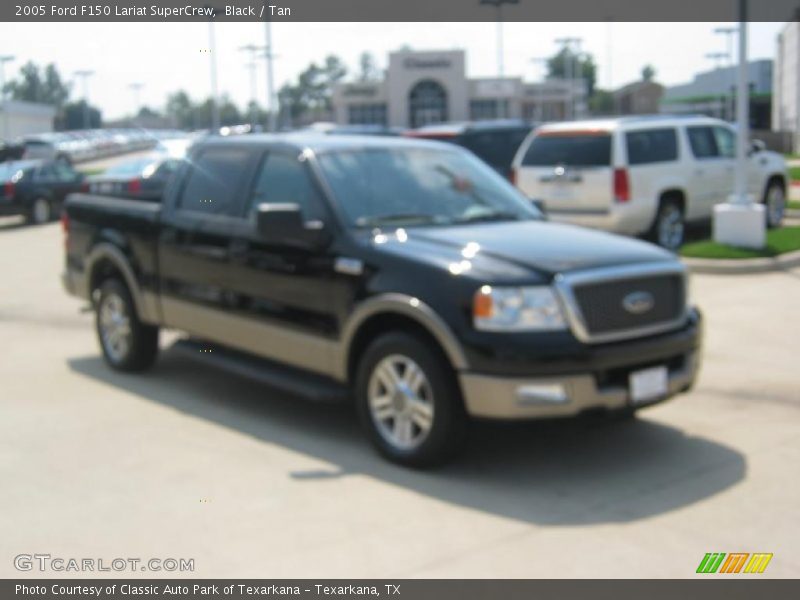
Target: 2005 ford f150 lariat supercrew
{"x": 405, "y": 274}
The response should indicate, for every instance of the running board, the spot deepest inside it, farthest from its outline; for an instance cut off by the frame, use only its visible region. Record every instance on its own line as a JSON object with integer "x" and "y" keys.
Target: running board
{"x": 280, "y": 377}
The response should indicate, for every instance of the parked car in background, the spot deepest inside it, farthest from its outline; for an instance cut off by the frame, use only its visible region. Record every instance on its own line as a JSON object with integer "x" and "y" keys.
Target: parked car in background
{"x": 37, "y": 188}
{"x": 46, "y": 146}
{"x": 380, "y": 130}
{"x": 11, "y": 151}
{"x": 643, "y": 175}
{"x": 143, "y": 177}
{"x": 494, "y": 142}
{"x": 406, "y": 276}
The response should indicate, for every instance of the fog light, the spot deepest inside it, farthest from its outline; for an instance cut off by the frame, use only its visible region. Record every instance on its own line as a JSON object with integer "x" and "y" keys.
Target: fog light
{"x": 542, "y": 394}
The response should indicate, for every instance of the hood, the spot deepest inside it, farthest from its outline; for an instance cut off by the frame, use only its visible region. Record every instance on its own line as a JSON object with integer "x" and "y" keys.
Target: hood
{"x": 546, "y": 247}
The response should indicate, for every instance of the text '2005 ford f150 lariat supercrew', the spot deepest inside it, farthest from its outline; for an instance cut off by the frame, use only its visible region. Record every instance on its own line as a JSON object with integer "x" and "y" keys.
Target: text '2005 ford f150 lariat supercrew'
{"x": 405, "y": 274}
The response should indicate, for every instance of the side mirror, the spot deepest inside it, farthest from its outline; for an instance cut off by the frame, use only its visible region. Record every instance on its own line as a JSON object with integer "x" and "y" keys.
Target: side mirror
{"x": 283, "y": 225}
{"x": 539, "y": 204}
{"x": 757, "y": 146}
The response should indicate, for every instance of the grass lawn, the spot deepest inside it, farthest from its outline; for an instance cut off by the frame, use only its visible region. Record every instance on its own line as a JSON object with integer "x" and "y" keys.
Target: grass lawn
{"x": 795, "y": 204}
{"x": 779, "y": 241}
{"x": 794, "y": 173}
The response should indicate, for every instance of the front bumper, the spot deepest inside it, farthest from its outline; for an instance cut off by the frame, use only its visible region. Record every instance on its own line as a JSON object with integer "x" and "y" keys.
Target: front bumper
{"x": 564, "y": 395}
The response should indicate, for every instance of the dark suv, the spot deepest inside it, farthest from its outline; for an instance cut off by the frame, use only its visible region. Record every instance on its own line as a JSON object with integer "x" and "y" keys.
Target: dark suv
{"x": 405, "y": 274}
{"x": 494, "y": 142}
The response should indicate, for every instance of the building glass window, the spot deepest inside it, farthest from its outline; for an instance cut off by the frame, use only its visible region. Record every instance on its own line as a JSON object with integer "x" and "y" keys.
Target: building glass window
{"x": 366, "y": 114}
{"x": 427, "y": 103}
{"x": 488, "y": 109}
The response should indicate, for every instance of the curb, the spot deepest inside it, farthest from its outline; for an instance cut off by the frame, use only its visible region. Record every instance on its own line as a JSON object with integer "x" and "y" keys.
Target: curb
{"x": 742, "y": 265}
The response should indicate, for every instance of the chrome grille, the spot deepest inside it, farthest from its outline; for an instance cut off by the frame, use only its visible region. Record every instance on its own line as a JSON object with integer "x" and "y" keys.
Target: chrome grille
{"x": 624, "y": 302}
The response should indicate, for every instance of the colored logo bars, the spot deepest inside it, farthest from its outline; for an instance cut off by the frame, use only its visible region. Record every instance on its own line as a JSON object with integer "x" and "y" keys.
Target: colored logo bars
{"x": 736, "y": 562}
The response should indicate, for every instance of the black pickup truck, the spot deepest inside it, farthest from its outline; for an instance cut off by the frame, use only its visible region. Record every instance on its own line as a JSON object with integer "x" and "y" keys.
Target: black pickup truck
{"x": 404, "y": 274}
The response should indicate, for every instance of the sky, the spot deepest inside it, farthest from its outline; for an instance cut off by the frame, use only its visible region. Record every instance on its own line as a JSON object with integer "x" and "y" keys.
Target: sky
{"x": 166, "y": 57}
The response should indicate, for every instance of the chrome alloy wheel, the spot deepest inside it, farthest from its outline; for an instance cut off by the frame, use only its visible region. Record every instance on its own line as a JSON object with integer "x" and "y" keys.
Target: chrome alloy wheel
{"x": 41, "y": 211}
{"x": 670, "y": 227}
{"x": 400, "y": 401}
{"x": 776, "y": 205}
{"x": 115, "y": 327}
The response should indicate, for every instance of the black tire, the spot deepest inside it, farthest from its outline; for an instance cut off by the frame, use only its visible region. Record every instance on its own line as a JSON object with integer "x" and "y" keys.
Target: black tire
{"x": 669, "y": 226}
{"x": 774, "y": 204}
{"x": 142, "y": 340}
{"x": 447, "y": 432}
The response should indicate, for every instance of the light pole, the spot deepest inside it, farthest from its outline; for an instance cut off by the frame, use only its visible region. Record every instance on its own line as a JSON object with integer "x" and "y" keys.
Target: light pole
{"x": 718, "y": 57}
{"x": 539, "y": 110}
{"x": 269, "y": 55}
{"x": 569, "y": 65}
{"x": 136, "y": 87}
{"x": 212, "y": 63}
{"x": 84, "y": 76}
{"x": 729, "y": 32}
{"x": 740, "y": 221}
{"x": 499, "y": 5}
{"x": 3, "y": 60}
{"x": 253, "y": 50}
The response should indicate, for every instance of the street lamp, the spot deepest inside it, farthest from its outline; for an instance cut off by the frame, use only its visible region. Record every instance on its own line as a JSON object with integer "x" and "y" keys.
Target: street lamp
{"x": 136, "y": 86}
{"x": 740, "y": 221}
{"x": 499, "y": 5}
{"x": 269, "y": 55}
{"x": 3, "y": 60}
{"x": 212, "y": 63}
{"x": 253, "y": 50}
{"x": 84, "y": 76}
{"x": 569, "y": 71}
{"x": 729, "y": 32}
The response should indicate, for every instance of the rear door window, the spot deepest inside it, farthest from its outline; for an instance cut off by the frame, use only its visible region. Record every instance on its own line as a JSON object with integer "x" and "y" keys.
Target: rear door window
{"x": 569, "y": 149}
{"x": 702, "y": 142}
{"x": 726, "y": 142}
{"x": 214, "y": 180}
{"x": 651, "y": 146}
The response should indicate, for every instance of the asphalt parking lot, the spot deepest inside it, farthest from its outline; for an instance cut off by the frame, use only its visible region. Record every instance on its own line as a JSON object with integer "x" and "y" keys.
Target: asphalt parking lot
{"x": 189, "y": 463}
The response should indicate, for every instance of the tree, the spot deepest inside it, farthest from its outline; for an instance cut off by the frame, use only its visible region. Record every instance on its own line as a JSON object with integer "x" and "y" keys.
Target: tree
{"x": 74, "y": 116}
{"x": 580, "y": 66}
{"x": 179, "y": 109}
{"x": 601, "y": 103}
{"x": 36, "y": 85}
{"x": 312, "y": 92}
{"x": 147, "y": 112}
{"x": 367, "y": 69}
{"x": 648, "y": 73}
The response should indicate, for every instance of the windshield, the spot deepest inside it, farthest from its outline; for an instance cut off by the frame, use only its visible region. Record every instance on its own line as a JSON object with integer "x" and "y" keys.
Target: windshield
{"x": 402, "y": 186}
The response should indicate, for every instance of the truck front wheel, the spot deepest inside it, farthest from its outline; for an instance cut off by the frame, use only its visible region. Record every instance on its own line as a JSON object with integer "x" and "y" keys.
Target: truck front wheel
{"x": 408, "y": 401}
{"x": 127, "y": 343}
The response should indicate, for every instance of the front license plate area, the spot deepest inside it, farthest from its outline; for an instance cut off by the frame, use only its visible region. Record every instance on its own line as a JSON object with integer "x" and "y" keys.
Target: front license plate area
{"x": 648, "y": 384}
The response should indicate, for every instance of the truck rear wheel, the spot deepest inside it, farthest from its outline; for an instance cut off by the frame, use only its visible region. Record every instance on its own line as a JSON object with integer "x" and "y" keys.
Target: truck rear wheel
{"x": 409, "y": 402}
{"x": 127, "y": 343}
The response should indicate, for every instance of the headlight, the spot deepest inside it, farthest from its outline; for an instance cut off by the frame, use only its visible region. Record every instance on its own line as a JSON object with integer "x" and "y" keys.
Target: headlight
{"x": 517, "y": 309}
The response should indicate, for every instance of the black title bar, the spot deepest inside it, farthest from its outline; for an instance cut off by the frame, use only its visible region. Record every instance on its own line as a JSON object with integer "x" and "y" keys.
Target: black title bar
{"x": 396, "y": 10}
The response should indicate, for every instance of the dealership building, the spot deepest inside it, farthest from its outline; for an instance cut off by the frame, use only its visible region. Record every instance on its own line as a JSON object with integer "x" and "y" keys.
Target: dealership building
{"x": 786, "y": 97}
{"x": 423, "y": 88}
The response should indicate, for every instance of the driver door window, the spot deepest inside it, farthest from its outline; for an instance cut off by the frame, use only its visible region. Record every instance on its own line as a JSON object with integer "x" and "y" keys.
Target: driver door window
{"x": 283, "y": 179}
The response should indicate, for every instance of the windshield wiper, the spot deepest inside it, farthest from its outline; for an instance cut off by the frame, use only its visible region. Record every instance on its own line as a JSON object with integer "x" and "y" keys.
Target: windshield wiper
{"x": 397, "y": 218}
{"x": 489, "y": 216}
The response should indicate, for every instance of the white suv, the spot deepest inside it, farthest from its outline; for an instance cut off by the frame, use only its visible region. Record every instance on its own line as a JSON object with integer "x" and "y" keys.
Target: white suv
{"x": 643, "y": 175}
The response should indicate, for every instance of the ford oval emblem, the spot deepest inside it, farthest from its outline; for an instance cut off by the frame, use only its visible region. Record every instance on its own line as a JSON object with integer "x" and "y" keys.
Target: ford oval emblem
{"x": 638, "y": 303}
